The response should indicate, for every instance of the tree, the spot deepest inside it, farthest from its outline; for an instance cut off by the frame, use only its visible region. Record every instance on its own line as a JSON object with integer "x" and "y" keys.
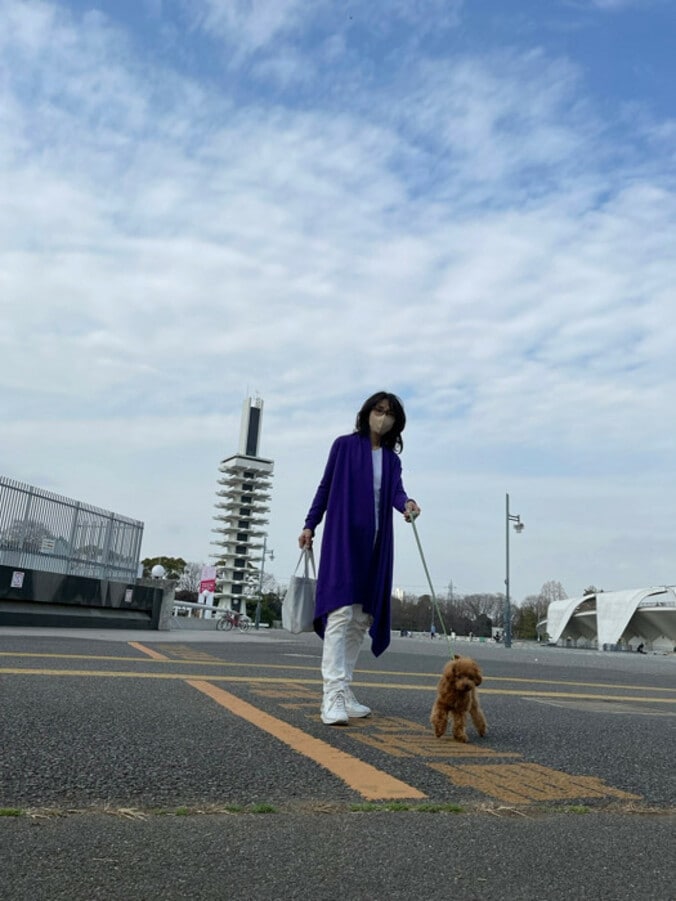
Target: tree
{"x": 478, "y": 613}
{"x": 403, "y": 611}
{"x": 552, "y": 591}
{"x": 271, "y": 607}
{"x": 190, "y": 578}
{"x": 526, "y": 617}
{"x": 533, "y": 610}
{"x": 412, "y": 613}
{"x": 88, "y": 552}
{"x": 174, "y": 566}
{"x": 26, "y": 535}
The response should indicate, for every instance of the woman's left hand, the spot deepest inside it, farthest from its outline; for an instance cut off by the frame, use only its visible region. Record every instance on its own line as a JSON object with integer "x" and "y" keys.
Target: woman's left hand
{"x": 411, "y": 511}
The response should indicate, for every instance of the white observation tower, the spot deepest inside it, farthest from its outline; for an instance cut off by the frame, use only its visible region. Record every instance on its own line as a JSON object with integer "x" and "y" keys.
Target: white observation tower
{"x": 242, "y": 504}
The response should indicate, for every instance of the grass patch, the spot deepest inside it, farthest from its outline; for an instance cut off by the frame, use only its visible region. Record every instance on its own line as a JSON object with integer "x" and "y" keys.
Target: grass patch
{"x": 395, "y": 806}
{"x": 263, "y": 808}
{"x": 440, "y": 808}
{"x": 10, "y": 812}
{"x": 577, "y": 808}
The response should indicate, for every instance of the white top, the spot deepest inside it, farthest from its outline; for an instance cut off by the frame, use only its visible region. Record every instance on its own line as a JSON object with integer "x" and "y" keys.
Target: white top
{"x": 377, "y": 479}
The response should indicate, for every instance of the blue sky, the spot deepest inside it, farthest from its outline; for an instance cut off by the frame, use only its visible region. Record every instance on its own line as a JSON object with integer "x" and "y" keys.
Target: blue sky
{"x": 469, "y": 203}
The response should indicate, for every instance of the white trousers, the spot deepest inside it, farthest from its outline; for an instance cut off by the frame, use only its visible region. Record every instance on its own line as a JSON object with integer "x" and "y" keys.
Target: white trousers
{"x": 345, "y": 630}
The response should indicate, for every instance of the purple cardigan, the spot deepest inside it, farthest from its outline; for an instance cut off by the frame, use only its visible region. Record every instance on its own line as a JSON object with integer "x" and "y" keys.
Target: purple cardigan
{"x": 351, "y": 569}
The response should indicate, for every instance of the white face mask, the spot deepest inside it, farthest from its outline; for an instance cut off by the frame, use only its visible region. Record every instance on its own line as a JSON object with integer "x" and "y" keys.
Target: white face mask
{"x": 380, "y": 423}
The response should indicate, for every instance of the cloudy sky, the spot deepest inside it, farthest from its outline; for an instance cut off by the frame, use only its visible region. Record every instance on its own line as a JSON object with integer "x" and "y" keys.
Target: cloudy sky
{"x": 470, "y": 203}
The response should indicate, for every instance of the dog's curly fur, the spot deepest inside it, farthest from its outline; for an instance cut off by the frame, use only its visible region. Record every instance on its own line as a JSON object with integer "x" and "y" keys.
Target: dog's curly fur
{"x": 457, "y": 695}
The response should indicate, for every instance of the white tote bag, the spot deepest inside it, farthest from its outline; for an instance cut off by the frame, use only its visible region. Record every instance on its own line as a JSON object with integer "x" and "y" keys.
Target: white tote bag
{"x": 298, "y": 609}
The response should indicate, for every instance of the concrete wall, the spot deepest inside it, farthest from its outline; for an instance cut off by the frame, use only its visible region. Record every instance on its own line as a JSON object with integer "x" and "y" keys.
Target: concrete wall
{"x": 30, "y": 597}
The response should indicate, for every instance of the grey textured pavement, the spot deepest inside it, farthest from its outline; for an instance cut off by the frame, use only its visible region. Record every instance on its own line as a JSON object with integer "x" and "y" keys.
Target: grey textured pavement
{"x": 133, "y": 783}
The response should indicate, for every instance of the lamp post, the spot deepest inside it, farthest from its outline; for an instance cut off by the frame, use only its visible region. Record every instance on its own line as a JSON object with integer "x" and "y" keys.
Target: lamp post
{"x": 271, "y": 555}
{"x": 518, "y": 528}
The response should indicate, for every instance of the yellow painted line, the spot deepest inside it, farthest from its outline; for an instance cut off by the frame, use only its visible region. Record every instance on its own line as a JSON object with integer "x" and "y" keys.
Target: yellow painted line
{"x": 183, "y": 652}
{"x": 488, "y": 679}
{"x": 522, "y": 693}
{"x": 202, "y": 660}
{"x": 606, "y": 706}
{"x": 155, "y": 655}
{"x": 123, "y": 674}
{"x": 215, "y": 661}
{"x": 575, "y": 695}
{"x": 425, "y": 746}
{"x": 369, "y": 782}
{"x": 579, "y": 684}
{"x": 263, "y": 680}
{"x": 518, "y": 783}
{"x": 127, "y": 658}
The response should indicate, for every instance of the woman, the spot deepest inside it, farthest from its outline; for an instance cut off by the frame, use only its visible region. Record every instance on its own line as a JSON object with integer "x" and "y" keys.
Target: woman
{"x": 360, "y": 486}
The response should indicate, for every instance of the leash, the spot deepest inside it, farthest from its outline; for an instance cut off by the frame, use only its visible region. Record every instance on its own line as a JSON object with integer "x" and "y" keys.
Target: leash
{"x": 429, "y": 582}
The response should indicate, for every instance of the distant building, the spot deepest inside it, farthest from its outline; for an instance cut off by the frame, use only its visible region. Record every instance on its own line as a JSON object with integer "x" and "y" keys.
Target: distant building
{"x": 610, "y": 619}
{"x": 242, "y": 505}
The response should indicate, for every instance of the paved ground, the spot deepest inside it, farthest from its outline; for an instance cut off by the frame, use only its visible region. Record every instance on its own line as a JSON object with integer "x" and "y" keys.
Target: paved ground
{"x": 189, "y": 764}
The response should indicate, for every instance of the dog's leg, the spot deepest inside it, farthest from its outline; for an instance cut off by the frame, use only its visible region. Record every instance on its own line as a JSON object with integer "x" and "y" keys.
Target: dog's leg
{"x": 477, "y": 715}
{"x": 439, "y": 718}
{"x": 459, "y": 733}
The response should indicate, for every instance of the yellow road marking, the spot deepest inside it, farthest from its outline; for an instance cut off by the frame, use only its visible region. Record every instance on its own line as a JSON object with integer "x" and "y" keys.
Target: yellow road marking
{"x": 261, "y": 680}
{"x": 216, "y": 661}
{"x": 178, "y": 652}
{"x": 513, "y": 783}
{"x": 427, "y": 746}
{"x": 415, "y": 746}
{"x": 105, "y": 657}
{"x": 522, "y": 693}
{"x": 155, "y": 655}
{"x": 609, "y": 705}
{"x": 520, "y": 783}
{"x": 369, "y": 782}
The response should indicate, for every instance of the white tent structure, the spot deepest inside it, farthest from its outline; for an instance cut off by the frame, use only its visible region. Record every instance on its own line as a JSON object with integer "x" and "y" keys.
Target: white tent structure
{"x": 610, "y": 618}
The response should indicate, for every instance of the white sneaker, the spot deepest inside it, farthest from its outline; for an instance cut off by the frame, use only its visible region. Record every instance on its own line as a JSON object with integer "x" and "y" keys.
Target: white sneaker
{"x": 353, "y": 707}
{"x": 333, "y": 710}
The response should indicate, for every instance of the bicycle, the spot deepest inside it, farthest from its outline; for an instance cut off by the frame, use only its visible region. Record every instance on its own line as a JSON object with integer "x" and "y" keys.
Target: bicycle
{"x": 230, "y": 619}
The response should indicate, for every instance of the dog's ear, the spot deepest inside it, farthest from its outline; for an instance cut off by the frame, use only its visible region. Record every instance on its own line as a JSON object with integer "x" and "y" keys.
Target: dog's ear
{"x": 456, "y": 656}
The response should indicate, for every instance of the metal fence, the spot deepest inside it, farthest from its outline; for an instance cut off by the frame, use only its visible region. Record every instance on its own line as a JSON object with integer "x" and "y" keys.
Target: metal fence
{"x": 43, "y": 531}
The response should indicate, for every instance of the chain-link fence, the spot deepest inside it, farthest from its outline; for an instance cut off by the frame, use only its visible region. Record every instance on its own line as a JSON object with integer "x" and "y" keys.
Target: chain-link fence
{"x": 43, "y": 531}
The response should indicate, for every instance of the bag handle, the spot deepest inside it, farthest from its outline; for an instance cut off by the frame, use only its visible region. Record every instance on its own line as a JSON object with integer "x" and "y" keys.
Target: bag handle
{"x": 309, "y": 560}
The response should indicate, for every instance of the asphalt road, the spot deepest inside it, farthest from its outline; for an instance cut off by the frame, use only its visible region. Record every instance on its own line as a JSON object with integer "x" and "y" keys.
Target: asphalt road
{"x": 183, "y": 764}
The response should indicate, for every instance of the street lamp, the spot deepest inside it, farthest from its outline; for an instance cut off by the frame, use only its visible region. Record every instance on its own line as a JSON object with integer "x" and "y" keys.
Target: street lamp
{"x": 518, "y": 528}
{"x": 271, "y": 555}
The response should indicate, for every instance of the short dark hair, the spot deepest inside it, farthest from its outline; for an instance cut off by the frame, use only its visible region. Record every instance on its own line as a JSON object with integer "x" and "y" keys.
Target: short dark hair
{"x": 391, "y": 439}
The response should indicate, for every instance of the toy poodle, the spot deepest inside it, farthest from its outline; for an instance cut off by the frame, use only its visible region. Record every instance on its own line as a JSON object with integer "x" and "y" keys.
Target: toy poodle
{"x": 457, "y": 695}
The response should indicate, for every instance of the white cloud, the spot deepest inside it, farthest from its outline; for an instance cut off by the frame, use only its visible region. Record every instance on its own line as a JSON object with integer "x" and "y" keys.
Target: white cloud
{"x": 252, "y": 24}
{"x": 613, "y": 5}
{"x": 467, "y": 236}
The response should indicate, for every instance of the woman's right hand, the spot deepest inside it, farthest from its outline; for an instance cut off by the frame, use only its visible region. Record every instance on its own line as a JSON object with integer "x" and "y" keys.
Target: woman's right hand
{"x": 305, "y": 539}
